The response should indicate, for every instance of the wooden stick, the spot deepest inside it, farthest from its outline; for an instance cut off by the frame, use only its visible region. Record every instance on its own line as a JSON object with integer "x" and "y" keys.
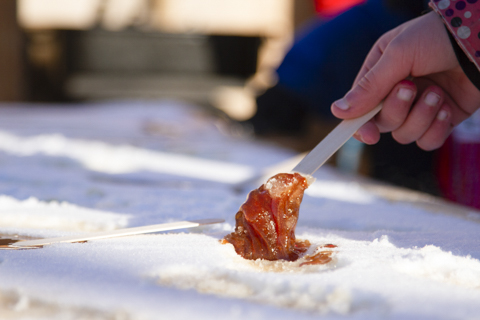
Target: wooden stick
{"x": 332, "y": 142}
{"x": 119, "y": 232}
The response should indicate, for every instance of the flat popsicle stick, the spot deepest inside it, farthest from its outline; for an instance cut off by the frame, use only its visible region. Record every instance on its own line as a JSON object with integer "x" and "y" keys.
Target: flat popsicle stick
{"x": 119, "y": 232}
{"x": 332, "y": 142}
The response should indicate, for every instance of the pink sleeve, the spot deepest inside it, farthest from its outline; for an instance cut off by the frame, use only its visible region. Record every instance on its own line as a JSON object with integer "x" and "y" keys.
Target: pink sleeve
{"x": 462, "y": 18}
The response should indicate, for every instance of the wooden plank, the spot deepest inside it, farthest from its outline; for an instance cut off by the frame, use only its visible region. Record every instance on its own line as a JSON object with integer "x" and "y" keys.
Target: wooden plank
{"x": 12, "y": 67}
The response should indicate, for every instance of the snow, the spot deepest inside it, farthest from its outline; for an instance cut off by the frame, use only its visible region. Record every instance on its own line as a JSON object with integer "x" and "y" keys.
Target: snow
{"x": 99, "y": 156}
{"x": 68, "y": 170}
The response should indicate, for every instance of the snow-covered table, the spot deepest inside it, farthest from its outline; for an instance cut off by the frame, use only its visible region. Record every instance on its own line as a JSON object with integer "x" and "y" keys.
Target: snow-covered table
{"x": 67, "y": 170}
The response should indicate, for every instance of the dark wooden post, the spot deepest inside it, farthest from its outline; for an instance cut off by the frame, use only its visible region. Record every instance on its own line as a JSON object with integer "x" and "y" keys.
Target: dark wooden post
{"x": 12, "y": 57}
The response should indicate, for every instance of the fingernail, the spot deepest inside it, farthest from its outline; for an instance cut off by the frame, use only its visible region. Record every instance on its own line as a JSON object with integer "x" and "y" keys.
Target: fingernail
{"x": 404, "y": 94}
{"x": 358, "y": 136}
{"x": 432, "y": 99}
{"x": 341, "y": 104}
{"x": 442, "y": 115}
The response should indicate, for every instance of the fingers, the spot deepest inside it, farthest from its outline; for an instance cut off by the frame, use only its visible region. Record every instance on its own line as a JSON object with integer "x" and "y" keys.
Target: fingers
{"x": 392, "y": 67}
{"x": 393, "y": 114}
{"x": 396, "y": 106}
{"x": 438, "y": 131}
{"x": 428, "y": 122}
{"x": 368, "y": 133}
{"x": 410, "y": 49}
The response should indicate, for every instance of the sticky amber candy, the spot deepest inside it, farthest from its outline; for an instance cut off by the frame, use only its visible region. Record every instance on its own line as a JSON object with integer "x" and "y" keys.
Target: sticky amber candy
{"x": 322, "y": 257}
{"x": 265, "y": 223}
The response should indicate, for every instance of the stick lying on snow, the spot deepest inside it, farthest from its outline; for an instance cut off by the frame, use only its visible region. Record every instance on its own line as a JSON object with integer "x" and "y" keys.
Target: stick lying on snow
{"x": 119, "y": 232}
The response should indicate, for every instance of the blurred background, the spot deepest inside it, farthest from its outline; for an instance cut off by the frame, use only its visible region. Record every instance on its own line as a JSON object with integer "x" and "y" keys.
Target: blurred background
{"x": 201, "y": 51}
{"x": 269, "y": 66}
{"x": 214, "y": 53}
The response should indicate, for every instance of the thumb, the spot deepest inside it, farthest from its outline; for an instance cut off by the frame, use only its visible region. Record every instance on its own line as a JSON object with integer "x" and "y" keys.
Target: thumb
{"x": 373, "y": 84}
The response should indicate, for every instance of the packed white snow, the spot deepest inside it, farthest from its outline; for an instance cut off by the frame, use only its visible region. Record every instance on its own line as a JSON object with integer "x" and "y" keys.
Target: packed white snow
{"x": 69, "y": 170}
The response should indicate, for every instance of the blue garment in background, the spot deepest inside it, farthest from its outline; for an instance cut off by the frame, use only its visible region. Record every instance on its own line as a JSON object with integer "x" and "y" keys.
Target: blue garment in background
{"x": 322, "y": 64}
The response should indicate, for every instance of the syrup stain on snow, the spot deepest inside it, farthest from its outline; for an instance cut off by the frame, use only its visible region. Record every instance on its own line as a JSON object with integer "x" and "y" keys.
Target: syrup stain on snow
{"x": 6, "y": 240}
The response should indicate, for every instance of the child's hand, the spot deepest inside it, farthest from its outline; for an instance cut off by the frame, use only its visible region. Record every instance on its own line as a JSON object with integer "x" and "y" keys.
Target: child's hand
{"x": 425, "y": 110}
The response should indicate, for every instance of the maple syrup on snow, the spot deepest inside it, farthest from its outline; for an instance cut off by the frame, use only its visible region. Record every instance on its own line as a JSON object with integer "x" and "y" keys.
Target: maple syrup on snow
{"x": 6, "y": 242}
{"x": 322, "y": 257}
{"x": 265, "y": 223}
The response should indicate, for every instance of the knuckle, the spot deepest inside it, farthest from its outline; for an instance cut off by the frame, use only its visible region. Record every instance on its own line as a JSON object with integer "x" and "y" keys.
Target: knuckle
{"x": 368, "y": 83}
{"x": 397, "y": 44}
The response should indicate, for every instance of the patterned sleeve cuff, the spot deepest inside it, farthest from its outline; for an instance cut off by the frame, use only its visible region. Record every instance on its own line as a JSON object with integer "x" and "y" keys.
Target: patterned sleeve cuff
{"x": 462, "y": 19}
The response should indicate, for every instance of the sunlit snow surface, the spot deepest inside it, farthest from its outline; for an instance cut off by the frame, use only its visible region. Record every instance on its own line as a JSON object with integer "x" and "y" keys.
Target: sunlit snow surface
{"x": 68, "y": 170}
